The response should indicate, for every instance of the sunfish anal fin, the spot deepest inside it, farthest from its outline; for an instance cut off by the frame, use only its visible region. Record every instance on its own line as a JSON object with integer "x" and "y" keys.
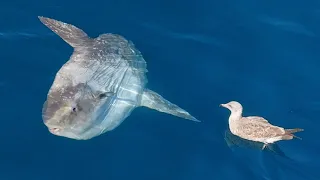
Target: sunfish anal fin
{"x": 74, "y": 36}
{"x": 154, "y": 101}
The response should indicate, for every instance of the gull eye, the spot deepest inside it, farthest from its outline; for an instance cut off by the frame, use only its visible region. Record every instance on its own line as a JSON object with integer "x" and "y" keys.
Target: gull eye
{"x": 74, "y": 109}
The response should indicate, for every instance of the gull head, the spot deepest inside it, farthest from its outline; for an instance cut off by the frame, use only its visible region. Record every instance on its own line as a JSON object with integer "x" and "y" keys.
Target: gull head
{"x": 233, "y": 106}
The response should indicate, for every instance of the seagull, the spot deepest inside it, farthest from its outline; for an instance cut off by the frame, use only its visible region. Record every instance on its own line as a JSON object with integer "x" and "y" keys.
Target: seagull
{"x": 256, "y": 128}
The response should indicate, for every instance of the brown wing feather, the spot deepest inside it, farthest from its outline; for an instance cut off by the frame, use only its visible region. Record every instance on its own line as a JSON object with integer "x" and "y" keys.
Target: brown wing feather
{"x": 256, "y": 118}
{"x": 257, "y": 127}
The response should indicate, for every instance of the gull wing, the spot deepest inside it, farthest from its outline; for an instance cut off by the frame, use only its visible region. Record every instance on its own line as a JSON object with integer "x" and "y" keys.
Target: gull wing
{"x": 255, "y": 127}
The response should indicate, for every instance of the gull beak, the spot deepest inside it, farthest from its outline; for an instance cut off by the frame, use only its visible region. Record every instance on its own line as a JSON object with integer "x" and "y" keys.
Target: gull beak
{"x": 225, "y": 106}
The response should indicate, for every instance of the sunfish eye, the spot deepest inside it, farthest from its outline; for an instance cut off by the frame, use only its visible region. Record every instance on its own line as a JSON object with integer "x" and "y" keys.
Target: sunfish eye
{"x": 75, "y": 108}
{"x": 102, "y": 95}
{"x": 105, "y": 94}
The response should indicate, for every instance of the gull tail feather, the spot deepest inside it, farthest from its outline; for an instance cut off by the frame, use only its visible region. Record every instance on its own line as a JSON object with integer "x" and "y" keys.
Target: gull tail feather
{"x": 289, "y": 133}
{"x": 154, "y": 101}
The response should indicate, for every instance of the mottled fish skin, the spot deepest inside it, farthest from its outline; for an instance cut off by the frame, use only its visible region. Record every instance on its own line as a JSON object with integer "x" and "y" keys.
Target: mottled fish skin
{"x": 107, "y": 64}
{"x": 99, "y": 86}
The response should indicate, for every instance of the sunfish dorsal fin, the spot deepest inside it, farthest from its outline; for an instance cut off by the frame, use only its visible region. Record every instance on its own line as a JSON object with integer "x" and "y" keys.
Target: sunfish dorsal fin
{"x": 74, "y": 36}
{"x": 154, "y": 101}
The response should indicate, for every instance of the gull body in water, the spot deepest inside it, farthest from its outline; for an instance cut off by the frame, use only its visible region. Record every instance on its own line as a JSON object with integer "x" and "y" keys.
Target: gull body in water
{"x": 99, "y": 86}
{"x": 256, "y": 128}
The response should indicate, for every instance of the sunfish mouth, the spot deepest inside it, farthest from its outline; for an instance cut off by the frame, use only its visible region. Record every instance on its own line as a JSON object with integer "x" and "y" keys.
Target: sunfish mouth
{"x": 54, "y": 130}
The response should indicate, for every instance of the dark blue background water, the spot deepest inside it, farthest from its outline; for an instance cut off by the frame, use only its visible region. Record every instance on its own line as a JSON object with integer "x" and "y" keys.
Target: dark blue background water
{"x": 264, "y": 54}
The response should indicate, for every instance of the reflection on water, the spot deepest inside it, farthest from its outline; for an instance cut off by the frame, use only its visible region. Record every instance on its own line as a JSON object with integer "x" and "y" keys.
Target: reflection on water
{"x": 235, "y": 141}
{"x": 286, "y": 25}
{"x": 17, "y": 35}
{"x": 205, "y": 39}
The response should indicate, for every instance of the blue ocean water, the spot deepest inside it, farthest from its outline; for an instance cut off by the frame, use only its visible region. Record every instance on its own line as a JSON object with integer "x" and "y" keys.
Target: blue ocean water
{"x": 264, "y": 54}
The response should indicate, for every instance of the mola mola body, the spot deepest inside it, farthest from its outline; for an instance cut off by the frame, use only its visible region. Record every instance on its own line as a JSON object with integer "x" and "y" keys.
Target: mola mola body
{"x": 99, "y": 86}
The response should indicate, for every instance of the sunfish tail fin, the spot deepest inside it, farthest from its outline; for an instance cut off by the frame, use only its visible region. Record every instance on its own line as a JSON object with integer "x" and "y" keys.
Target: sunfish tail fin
{"x": 291, "y": 131}
{"x": 74, "y": 36}
{"x": 154, "y": 101}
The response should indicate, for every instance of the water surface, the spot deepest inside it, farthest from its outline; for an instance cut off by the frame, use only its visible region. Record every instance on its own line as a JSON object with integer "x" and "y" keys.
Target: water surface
{"x": 264, "y": 54}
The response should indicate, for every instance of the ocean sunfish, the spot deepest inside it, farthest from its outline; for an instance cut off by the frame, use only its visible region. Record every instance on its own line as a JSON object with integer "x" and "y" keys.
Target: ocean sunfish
{"x": 256, "y": 128}
{"x": 99, "y": 86}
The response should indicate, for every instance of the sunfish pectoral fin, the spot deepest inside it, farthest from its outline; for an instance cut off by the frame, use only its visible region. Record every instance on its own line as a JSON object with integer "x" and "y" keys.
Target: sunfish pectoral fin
{"x": 74, "y": 36}
{"x": 154, "y": 101}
